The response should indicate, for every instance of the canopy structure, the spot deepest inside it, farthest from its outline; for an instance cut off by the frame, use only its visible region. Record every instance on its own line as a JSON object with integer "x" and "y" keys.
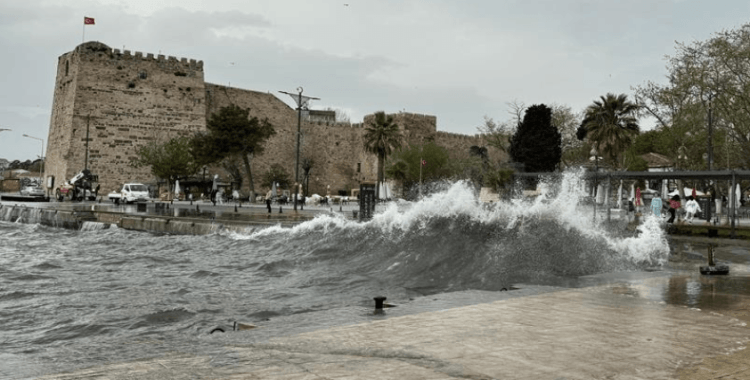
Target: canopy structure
{"x": 724, "y": 175}
{"x": 714, "y": 175}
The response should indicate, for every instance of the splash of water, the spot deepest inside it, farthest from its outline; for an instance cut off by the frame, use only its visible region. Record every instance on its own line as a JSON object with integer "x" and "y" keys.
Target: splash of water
{"x": 450, "y": 240}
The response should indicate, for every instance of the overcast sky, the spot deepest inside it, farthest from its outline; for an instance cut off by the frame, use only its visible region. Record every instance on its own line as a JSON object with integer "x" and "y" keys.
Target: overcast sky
{"x": 458, "y": 60}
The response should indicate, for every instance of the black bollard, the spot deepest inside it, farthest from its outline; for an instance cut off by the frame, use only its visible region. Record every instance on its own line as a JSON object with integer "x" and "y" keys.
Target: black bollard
{"x": 379, "y": 302}
{"x": 279, "y": 209}
{"x": 240, "y": 204}
{"x": 341, "y": 208}
{"x": 191, "y": 201}
{"x": 197, "y": 208}
{"x": 235, "y": 208}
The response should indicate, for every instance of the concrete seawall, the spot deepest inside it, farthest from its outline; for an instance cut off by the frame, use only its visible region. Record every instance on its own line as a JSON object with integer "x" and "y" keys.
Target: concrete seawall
{"x": 156, "y": 217}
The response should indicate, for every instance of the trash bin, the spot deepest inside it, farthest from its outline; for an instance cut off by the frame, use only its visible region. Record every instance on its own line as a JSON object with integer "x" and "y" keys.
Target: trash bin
{"x": 366, "y": 200}
{"x": 704, "y": 202}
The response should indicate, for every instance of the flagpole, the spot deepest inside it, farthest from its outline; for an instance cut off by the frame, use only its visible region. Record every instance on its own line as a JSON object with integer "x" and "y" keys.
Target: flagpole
{"x": 83, "y": 33}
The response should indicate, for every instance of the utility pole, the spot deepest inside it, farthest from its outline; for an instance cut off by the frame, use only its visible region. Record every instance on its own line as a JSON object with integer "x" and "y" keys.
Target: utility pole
{"x": 710, "y": 154}
{"x": 86, "y": 162}
{"x": 302, "y": 103}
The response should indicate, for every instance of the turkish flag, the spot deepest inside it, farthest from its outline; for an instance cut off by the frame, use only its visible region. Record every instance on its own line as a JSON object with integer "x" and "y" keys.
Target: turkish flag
{"x": 424, "y": 163}
{"x": 88, "y": 20}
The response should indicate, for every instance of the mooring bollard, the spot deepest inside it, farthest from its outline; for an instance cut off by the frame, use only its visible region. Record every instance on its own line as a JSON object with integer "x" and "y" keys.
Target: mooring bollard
{"x": 235, "y": 208}
{"x": 191, "y": 201}
{"x": 379, "y": 302}
{"x": 279, "y": 209}
{"x": 197, "y": 208}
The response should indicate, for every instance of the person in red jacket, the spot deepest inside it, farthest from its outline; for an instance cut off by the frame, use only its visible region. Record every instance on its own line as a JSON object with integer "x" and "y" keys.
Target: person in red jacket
{"x": 674, "y": 205}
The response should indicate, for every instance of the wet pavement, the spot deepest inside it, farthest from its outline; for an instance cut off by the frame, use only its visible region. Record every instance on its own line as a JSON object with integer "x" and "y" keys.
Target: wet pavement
{"x": 669, "y": 323}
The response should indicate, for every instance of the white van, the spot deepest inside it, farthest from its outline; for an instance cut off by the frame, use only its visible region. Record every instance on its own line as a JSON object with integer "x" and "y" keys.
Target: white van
{"x": 131, "y": 192}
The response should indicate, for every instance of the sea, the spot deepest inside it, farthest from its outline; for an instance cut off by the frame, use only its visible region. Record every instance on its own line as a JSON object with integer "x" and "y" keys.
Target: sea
{"x": 71, "y": 299}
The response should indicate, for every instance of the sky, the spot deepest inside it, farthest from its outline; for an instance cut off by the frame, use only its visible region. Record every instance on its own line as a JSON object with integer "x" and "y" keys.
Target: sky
{"x": 458, "y": 60}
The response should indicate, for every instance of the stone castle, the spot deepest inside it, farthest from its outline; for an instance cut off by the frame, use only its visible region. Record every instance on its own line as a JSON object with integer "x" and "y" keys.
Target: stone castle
{"x": 125, "y": 99}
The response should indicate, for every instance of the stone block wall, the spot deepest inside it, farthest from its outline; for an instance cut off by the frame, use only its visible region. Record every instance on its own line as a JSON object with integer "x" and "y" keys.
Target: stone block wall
{"x": 125, "y": 100}
{"x": 335, "y": 149}
{"x": 459, "y": 145}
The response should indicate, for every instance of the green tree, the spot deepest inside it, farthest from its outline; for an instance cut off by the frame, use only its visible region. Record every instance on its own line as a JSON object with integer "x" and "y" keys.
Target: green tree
{"x": 537, "y": 143}
{"x": 567, "y": 123}
{"x": 610, "y": 124}
{"x": 233, "y": 165}
{"x": 171, "y": 160}
{"x": 406, "y": 163}
{"x": 381, "y": 137}
{"x": 705, "y": 76}
{"x": 276, "y": 173}
{"x": 495, "y": 134}
{"x": 482, "y": 153}
{"x": 232, "y": 132}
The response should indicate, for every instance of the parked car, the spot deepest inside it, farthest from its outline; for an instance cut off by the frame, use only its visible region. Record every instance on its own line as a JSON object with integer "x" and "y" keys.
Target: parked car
{"x": 32, "y": 191}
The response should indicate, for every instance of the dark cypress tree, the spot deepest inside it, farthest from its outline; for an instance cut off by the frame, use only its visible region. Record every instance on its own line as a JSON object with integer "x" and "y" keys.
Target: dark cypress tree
{"x": 537, "y": 143}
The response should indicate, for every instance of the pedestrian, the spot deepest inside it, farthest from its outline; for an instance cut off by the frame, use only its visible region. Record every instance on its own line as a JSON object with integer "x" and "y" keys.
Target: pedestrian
{"x": 674, "y": 205}
{"x": 656, "y": 206}
{"x": 269, "y": 195}
{"x": 691, "y": 207}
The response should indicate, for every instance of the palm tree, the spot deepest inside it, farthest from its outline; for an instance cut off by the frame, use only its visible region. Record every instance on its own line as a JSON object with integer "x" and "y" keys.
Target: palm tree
{"x": 610, "y": 123}
{"x": 382, "y": 136}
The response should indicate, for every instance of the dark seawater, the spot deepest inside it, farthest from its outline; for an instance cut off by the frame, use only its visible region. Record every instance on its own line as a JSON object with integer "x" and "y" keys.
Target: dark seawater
{"x": 72, "y": 299}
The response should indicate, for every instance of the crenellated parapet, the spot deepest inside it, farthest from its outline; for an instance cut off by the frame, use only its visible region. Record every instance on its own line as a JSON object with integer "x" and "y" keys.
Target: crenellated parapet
{"x": 451, "y": 135}
{"x": 98, "y": 50}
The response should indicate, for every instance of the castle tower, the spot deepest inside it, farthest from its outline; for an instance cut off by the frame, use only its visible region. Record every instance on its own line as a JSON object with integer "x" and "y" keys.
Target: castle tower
{"x": 124, "y": 100}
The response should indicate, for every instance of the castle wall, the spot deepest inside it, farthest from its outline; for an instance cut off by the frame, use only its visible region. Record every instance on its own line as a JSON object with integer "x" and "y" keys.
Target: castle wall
{"x": 459, "y": 146}
{"x": 337, "y": 151}
{"x": 129, "y": 99}
{"x": 334, "y": 148}
{"x": 61, "y": 120}
{"x": 125, "y": 100}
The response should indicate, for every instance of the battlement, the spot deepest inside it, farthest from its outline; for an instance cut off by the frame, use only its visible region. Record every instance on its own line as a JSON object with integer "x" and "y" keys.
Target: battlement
{"x": 456, "y": 135}
{"x": 414, "y": 115}
{"x": 101, "y": 50}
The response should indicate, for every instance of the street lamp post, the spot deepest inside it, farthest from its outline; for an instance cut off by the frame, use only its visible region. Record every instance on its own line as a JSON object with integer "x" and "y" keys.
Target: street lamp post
{"x": 41, "y": 156}
{"x": 595, "y": 158}
{"x": 302, "y": 102}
